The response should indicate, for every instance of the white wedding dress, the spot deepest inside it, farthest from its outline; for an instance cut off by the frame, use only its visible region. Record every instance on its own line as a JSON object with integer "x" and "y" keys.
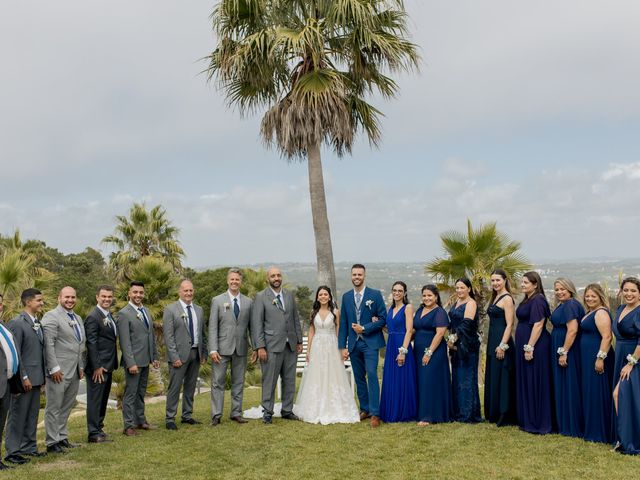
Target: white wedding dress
{"x": 325, "y": 395}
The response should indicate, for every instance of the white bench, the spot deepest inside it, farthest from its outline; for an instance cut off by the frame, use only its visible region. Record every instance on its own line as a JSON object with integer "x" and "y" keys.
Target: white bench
{"x": 302, "y": 363}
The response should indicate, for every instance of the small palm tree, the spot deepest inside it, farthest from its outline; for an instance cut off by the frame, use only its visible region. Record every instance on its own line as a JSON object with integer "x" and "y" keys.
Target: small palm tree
{"x": 475, "y": 254}
{"x": 144, "y": 233}
{"x": 312, "y": 64}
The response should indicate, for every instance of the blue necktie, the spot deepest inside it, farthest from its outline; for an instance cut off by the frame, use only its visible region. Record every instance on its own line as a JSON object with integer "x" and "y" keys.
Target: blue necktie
{"x": 113, "y": 324}
{"x": 76, "y": 327}
{"x": 14, "y": 353}
{"x": 191, "y": 332}
{"x": 144, "y": 317}
{"x": 236, "y": 308}
{"x": 36, "y": 323}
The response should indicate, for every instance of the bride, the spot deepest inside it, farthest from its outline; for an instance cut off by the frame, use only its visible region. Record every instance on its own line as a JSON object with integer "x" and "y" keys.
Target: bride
{"x": 324, "y": 395}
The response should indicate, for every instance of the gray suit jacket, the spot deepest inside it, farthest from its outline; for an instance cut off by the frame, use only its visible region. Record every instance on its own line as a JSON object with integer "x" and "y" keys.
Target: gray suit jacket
{"x": 273, "y": 327}
{"x": 176, "y": 332}
{"x": 30, "y": 347}
{"x": 61, "y": 346}
{"x": 137, "y": 343}
{"x": 4, "y": 381}
{"x": 226, "y": 334}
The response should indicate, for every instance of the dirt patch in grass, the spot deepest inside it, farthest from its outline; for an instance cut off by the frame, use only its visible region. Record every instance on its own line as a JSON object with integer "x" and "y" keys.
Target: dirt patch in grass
{"x": 59, "y": 465}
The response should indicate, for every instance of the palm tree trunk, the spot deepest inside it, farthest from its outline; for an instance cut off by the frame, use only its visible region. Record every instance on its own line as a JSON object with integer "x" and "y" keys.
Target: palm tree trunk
{"x": 321, "y": 230}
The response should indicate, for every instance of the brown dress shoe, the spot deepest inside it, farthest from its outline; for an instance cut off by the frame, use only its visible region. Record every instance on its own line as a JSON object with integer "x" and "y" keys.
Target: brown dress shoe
{"x": 364, "y": 415}
{"x": 375, "y": 421}
{"x": 130, "y": 432}
{"x": 146, "y": 426}
{"x": 240, "y": 419}
{"x": 97, "y": 439}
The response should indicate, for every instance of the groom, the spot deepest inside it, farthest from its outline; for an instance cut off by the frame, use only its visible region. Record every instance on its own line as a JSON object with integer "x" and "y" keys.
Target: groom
{"x": 362, "y": 316}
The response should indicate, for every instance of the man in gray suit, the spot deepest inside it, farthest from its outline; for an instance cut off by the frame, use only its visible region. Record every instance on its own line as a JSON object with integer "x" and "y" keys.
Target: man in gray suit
{"x": 228, "y": 341}
{"x": 64, "y": 345}
{"x": 135, "y": 330}
{"x": 9, "y": 366}
{"x": 183, "y": 328}
{"x": 278, "y": 339}
{"x": 23, "y": 416}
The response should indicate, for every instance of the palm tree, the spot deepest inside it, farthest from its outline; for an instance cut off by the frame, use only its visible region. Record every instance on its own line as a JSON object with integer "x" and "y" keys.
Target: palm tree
{"x": 312, "y": 64}
{"x": 475, "y": 254}
{"x": 144, "y": 233}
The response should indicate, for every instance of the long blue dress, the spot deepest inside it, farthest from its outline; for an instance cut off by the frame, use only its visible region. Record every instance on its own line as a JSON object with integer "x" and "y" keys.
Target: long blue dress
{"x": 500, "y": 375}
{"x": 566, "y": 380}
{"x": 596, "y": 388}
{"x": 627, "y": 421}
{"x": 464, "y": 366}
{"x": 434, "y": 379}
{"x": 398, "y": 398}
{"x": 533, "y": 379}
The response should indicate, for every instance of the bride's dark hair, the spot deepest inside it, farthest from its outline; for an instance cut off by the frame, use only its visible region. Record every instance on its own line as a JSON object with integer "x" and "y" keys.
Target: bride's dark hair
{"x": 316, "y": 304}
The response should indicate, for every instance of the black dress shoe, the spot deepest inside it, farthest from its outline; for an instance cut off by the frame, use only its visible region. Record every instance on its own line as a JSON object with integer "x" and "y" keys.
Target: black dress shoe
{"x": 67, "y": 444}
{"x": 215, "y": 421}
{"x": 4, "y": 467}
{"x": 16, "y": 459}
{"x": 190, "y": 421}
{"x": 267, "y": 420}
{"x": 55, "y": 448}
{"x": 97, "y": 439}
{"x": 36, "y": 454}
{"x": 171, "y": 426}
{"x": 290, "y": 416}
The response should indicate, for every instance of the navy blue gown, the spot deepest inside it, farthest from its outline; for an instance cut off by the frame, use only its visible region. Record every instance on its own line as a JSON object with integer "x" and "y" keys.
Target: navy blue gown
{"x": 596, "y": 388}
{"x": 434, "y": 379}
{"x": 566, "y": 380}
{"x": 500, "y": 375}
{"x": 398, "y": 397}
{"x": 627, "y": 420}
{"x": 533, "y": 379}
{"x": 464, "y": 366}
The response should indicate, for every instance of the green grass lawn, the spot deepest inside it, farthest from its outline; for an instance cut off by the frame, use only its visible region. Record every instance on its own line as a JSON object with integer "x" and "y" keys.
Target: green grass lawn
{"x": 297, "y": 450}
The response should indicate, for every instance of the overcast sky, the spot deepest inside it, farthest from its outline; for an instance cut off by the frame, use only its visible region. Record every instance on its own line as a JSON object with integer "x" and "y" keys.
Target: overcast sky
{"x": 525, "y": 113}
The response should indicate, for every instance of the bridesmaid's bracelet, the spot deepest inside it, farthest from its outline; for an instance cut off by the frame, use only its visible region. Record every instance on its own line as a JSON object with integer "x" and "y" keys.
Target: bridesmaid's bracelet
{"x": 428, "y": 352}
{"x": 528, "y": 348}
{"x": 601, "y": 355}
{"x": 561, "y": 352}
{"x": 631, "y": 360}
{"x": 403, "y": 351}
{"x": 504, "y": 347}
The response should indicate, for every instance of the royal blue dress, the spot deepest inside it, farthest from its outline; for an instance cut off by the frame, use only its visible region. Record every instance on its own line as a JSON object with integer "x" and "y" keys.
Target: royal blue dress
{"x": 533, "y": 379}
{"x": 434, "y": 379}
{"x": 566, "y": 380}
{"x": 398, "y": 397}
{"x": 499, "y": 375}
{"x": 596, "y": 388}
{"x": 627, "y": 420}
{"x": 464, "y": 366}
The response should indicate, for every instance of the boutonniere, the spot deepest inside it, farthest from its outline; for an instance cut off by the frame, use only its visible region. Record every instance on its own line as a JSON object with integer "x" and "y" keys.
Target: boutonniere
{"x": 183, "y": 316}
{"x": 274, "y": 302}
{"x": 36, "y": 326}
{"x": 226, "y": 306}
{"x": 139, "y": 315}
{"x": 368, "y": 303}
{"x": 105, "y": 321}
{"x": 73, "y": 323}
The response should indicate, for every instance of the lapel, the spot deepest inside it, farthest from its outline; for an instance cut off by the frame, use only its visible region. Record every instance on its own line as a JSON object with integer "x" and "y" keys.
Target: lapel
{"x": 106, "y": 327}
{"x": 29, "y": 323}
{"x": 180, "y": 312}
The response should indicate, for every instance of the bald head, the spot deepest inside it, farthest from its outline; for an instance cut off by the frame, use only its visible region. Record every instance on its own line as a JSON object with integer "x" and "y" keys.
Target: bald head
{"x": 274, "y": 277}
{"x": 67, "y": 298}
{"x": 185, "y": 292}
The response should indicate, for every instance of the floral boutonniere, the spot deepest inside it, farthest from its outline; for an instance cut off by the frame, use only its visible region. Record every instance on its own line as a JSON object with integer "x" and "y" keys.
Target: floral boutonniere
{"x": 183, "y": 316}
{"x": 105, "y": 321}
{"x": 274, "y": 302}
{"x": 226, "y": 306}
{"x": 36, "y": 326}
{"x": 73, "y": 323}
{"x": 139, "y": 315}
{"x": 368, "y": 303}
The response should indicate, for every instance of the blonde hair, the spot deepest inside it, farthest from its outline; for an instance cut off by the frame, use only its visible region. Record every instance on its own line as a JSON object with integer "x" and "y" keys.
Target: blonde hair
{"x": 568, "y": 286}
{"x": 599, "y": 291}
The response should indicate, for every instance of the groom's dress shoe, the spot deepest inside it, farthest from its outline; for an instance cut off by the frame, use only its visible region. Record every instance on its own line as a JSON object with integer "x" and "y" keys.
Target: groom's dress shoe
{"x": 375, "y": 421}
{"x": 290, "y": 416}
{"x": 364, "y": 415}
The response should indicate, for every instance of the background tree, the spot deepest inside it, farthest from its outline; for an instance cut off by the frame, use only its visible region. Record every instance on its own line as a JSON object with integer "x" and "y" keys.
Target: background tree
{"x": 144, "y": 233}
{"x": 312, "y": 64}
{"x": 475, "y": 254}
{"x": 304, "y": 301}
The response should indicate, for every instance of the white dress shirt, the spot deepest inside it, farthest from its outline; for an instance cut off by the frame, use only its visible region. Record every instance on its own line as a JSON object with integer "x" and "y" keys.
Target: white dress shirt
{"x": 196, "y": 336}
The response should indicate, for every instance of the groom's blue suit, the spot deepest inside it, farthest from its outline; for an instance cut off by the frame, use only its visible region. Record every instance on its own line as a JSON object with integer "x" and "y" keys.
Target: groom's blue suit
{"x": 363, "y": 349}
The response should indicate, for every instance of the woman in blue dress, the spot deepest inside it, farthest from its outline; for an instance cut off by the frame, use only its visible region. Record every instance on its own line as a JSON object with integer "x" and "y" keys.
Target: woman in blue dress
{"x": 398, "y": 397}
{"x": 499, "y": 378}
{"x": 533, "y": 358}
{"x": 626, "y": 396}
{"x": 464, "y": 349}
{"x": 565, "y": 359}
{"x": 432, "y": 364}
{"x": 596, "y": 364}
